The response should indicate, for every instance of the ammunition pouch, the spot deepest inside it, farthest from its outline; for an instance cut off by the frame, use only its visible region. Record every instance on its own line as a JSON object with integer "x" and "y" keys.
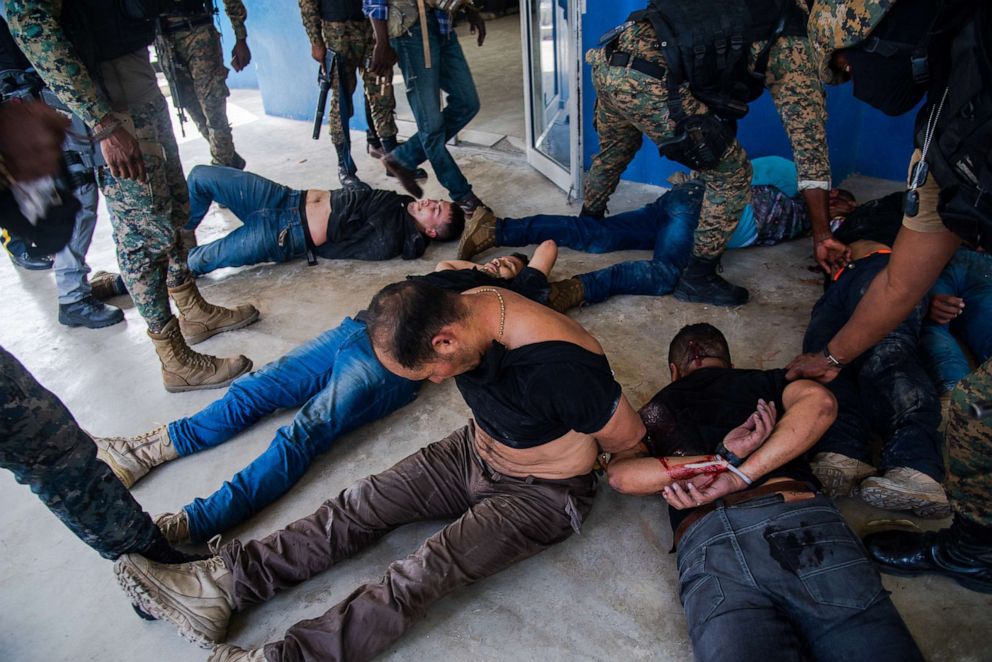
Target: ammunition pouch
{"x": 699, "y": 141}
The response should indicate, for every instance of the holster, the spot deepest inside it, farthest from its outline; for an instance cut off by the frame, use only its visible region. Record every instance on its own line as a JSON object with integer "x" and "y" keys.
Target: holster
{"x": 699, "y": 141}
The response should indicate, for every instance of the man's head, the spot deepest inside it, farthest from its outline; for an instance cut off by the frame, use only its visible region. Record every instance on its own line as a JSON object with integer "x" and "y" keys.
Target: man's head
{"x": 697, "y": 346}
{"x": 437, "y": 219}
{"x": 505, "y": 266}
{"x": 842, "y": 202}
{"x": 418, "y": 331}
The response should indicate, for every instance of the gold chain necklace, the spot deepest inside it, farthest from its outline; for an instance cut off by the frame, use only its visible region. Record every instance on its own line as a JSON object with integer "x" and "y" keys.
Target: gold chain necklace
{"x": 502, "y": 308}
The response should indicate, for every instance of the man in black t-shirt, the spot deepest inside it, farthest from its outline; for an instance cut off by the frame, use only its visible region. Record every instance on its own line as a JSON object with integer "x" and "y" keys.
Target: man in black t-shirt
{"x": 766, "y": 563}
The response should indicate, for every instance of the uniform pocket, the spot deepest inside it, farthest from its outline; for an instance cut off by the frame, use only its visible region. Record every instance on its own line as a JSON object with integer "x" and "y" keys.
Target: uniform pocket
{"x": 700, "y": 591}
{"x": 829, "y": 561}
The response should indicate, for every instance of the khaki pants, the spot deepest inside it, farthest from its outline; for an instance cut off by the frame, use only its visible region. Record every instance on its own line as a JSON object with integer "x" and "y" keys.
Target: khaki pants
{"x": 498, "y": 521}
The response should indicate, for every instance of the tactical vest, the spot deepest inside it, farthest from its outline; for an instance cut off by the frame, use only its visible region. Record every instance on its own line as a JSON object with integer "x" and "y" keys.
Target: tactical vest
{"x": 187, "y": 8}
{"x": 341, "y": 10}
{"x": 102, "y": 30}
{"x": 707, "y": 44}
{"x": 960, "y": 154}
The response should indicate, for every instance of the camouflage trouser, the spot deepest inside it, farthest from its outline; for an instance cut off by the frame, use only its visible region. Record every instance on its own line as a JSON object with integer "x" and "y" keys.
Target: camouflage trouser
{"x": 630, "y": 103}
{"x": 201, "y": 79}
{"x": 969, "y": 442}
{"x": 47, "y": 451}
{"x": 352, "y": 41}
{"x": 146, "y": 217}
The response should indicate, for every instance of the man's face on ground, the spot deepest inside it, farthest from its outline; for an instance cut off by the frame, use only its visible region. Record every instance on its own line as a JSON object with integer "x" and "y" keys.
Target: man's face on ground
{"x": 505, "y": 267}
{"x": 451, "y": 360}
{"x": 840, "y": 205}
{"x": 431, "y": 215}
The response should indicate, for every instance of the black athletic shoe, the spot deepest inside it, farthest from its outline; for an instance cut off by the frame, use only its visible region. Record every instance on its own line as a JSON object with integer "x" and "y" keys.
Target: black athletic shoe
{"x": 90, "y": 313}
{"x": 18, "y": 252}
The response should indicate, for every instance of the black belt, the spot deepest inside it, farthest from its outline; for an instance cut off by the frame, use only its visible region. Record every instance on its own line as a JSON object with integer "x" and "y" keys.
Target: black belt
{"x": 311, "y": 250}
{"x": 171, "y": 24}
{"x": 618, "y": 59}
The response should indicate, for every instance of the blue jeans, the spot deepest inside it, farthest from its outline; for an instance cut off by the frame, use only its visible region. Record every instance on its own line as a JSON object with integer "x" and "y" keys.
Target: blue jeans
{"x": 766, "y": 580}
{"x": 968, "y": 275}
{"x": 665, "y": 226}
{"x": 70, "y": 262}
{"x": 449, "y": 73}
{"x": 886, "y": 390}
{"x": 339, "y": 385}
{"x": 270, "y": 212}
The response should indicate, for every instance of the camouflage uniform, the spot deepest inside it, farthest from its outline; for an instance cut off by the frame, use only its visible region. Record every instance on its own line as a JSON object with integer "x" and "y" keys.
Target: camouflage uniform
{"x": 146, "y": 217}
{"x": 46, "y": 450}
{"x": 969, "y": 443}
{"x": 629, "y": 103}
{"x": 353, "y": 41}
{"x": 201, "y": 78}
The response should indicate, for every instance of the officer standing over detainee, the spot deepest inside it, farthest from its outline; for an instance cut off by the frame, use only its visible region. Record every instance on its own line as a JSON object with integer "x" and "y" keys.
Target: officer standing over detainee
{"x": 188, "y": 38}
{"x": 682, "y": 72}
{"x": 94, "y": 57}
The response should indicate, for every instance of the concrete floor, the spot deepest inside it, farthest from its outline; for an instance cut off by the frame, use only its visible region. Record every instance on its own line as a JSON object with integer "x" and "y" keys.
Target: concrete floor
{"x": 609, "y": 593}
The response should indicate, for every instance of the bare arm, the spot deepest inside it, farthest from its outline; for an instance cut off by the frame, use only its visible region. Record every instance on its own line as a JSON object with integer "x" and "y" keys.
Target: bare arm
{"x": 544, "y": 257}
{"x": 916, "y": 262}
{"x": 810, "y": 409}
{"x": 623, "y": 431}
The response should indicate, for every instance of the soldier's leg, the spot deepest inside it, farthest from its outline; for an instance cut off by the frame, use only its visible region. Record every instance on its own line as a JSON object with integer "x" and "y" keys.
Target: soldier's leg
{"x": 43, "y": 446}
{"x": 201, "y": 50}
{"x": 728, "y": 191}
{"x": 619, "y": 135}
{"x": 379, "y": 99}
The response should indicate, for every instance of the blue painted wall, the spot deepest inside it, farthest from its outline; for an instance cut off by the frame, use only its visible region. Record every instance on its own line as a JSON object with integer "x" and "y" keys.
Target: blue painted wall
{"x": 281, "y": 66}
{"x": 861, "y": 139}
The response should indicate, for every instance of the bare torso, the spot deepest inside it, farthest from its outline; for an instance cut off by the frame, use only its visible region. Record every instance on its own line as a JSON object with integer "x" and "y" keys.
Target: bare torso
{"x": 864, "y": 247}
{"x": 572, "y": 454}
{"x": 318, "y": 210}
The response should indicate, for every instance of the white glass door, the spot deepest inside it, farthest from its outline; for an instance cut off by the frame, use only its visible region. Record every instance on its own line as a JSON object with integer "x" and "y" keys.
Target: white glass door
{"x": 552, "y": 67}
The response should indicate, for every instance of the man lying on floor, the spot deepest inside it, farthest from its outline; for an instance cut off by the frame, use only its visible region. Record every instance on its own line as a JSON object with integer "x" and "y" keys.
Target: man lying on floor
{"x": 768, "y": 569}
{"x": 666, "y": 226}
{"x": 885, "y": 392}
{"x": 280, "y": 223}
{"x": 335, "y": 380}
{"x": 516, "y": 480}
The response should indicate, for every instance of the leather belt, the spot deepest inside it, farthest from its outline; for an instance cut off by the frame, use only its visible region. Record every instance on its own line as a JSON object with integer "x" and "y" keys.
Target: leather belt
{"x": 618, "y": 59}
{"x": 792, "y": 490}
{"x": 178, "y": 23}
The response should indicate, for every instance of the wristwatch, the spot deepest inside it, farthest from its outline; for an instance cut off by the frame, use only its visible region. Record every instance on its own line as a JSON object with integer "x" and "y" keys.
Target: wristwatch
{"x": 728, "y": 455}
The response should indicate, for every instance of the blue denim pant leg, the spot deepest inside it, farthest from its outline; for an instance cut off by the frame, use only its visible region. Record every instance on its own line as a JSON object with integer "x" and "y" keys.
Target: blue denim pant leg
{"x": 945, "y": 361}
{"x": 70, "y": 262}
{"x": 359, "y": 390}
{"x": 632, "y": 230}
{"x": 676, "y": 214}
{"x": 449, "y": 73}
{"x": 767, "y": 580}
{"x": 902, "y": 401}
{"x": 272, "y": 229}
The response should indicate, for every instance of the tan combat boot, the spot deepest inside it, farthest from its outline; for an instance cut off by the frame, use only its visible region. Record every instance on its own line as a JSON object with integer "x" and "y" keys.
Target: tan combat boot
{"x": 566, "y": 294}
{"x": 130, "y": 458}
{"x": 106, "y": 285}
{"x": 839, "y": 474}
{"x": 479, "y": 233}
{"x": 174, "y": 526}
{"x": 199, "y": 320}
{"x": 196, "y": 597}
{"x": 186, "y": 370}
{"x": 902, "y": 488}
{"x": 229, "y": 653}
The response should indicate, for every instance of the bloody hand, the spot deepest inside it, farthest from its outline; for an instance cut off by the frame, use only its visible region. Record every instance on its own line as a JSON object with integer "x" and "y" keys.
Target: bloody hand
{"x": 701, "y": 490}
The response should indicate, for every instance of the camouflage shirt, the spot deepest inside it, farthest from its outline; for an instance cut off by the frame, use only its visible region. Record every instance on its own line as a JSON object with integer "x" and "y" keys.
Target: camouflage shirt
{"x": 35, "y": 25}
{"x": 791, "y": 79}
{"x": 235, "y": 10}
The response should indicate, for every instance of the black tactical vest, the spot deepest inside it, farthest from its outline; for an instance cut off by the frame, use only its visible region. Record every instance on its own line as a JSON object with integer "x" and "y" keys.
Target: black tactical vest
{"x": 103, "y": 30}
{"x": 707, "y": 43}
{"x": 187, "y": 8}
{"x": 341, "y": 10}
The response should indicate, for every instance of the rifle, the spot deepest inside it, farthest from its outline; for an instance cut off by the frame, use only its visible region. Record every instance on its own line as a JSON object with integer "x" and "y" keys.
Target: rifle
{"x": 167, "y": 62}
{"x": 345, "y": 105}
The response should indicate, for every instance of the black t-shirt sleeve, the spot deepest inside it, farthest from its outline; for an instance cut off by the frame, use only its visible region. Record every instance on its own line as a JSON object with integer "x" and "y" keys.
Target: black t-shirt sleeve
{"x": 577, "y": 395}
{"x": 532, "y": 284}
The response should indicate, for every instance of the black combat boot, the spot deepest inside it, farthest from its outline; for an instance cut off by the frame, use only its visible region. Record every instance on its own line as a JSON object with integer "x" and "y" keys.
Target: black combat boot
{"x": 592, "y": 214}
{"x": 701, "y": 284}
{"x": 346, "y": 169}
{"x": 962, "y": 552}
